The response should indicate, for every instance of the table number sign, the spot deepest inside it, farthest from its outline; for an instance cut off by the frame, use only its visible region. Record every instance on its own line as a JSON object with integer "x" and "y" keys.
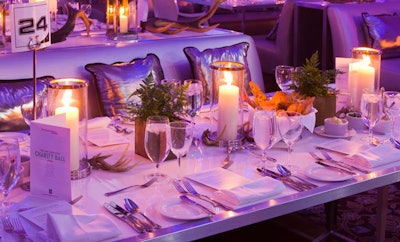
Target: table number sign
{"x": 29, "y": 21}
{"x": 50, "y": 157}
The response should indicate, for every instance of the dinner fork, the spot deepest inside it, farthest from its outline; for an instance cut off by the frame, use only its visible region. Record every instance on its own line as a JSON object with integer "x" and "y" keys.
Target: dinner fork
{"x": 147, "y": 184}
{"x": 7, "y": 225}
{"x": 193, "y": 191}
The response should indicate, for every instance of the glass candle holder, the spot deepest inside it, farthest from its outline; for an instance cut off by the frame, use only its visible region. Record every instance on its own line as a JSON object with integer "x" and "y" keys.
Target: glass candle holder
{"x": 227, "y": 98}
{"x": 364, "y": 73}
{"x": 70, "y": 96}
{"x": 122, "y": 24}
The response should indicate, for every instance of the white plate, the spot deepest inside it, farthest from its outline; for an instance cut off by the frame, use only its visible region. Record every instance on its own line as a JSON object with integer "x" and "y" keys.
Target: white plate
{"x": 320, "y": 130}
{"x": 326, "y": 174}
{"x": 177, "y": 209}
{"x": 20, "y": 136}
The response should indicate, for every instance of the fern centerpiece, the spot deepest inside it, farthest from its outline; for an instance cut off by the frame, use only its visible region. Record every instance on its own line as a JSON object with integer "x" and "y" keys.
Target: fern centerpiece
{"x": 156, "y": 99}
{"x": 310, "y": 81}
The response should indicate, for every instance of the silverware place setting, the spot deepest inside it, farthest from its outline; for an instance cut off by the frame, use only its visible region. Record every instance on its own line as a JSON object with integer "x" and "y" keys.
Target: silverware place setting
{"x": 287, "y": 180}
{"x": 144, "y": 185}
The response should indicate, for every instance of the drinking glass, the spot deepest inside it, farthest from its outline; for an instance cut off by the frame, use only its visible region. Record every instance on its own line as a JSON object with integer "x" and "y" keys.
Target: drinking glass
{"x": 27, "y": 108}
{"x": 290, "y": 127}
{"x": 283, "y": 77}
{"x": 264, "y": 131}
{"x": 371, "y": 112}
{"x": 391, "y": 104}
{"x": 181, "y": 139}
{"x": 10, "y": 167}
{"x": 156, "y": 140}
{"x": 195, "y": 97}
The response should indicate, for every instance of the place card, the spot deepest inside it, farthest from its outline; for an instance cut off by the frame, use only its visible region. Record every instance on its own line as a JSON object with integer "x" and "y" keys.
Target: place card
{"x": 50, "y": 157}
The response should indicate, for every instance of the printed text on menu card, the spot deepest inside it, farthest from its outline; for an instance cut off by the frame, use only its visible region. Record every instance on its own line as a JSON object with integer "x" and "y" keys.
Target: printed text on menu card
{"x": 50, "y": 157}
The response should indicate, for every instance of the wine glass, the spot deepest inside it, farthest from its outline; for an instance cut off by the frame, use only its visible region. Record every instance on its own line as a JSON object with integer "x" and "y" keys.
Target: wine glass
{"x": 391, "y": 104}
{"x": 290, "y": 127}
{"x": 181, "y": 139}
{"x": 156, "y": 140}
{"x": 27, "y": 108}
{"x": 264, "y": 131}
{"x": 283, "y": 77}
{"x": 10, "y": 167}
{"x": 194, "y": 96}
{"x": 371, "y": 112}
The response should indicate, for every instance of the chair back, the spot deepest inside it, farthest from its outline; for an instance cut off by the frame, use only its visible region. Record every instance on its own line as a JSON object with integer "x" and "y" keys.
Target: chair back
{"x": 165, "y": 9}
{"x": 284, "y": 34}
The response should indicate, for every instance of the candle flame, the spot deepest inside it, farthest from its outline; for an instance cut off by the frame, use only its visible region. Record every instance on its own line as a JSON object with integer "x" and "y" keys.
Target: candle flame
{"x": 366, "y": 60}
{"x": 121, "y": 11}
{"x": 66, "y": 99}
{"x": 228, "y": 77}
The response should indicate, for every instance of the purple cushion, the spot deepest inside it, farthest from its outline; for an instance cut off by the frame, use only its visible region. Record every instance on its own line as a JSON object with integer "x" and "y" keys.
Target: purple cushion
{"x": 116, "y": 82}
{"x": 200, "y": 61}
{"x": 384, "y": 32}
{"x": 11, "y": 93}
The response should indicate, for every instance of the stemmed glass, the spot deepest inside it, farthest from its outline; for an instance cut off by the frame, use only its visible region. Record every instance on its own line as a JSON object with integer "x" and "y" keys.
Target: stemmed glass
{"x": 391, "y": 104}
{"x": 156, "y": 140}
{"x": 371, "y": 112}
{"x": 181, "y": 139}
{"x": 194, "y": 96}
{"x": 264, "y": 131}
{"x": 290, "y": 127}
{"x": 283, "y": 77}
{"x": 10, "y": 167}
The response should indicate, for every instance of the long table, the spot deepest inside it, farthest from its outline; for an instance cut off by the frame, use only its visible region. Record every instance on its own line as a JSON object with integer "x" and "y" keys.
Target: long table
{"x": 203, "y": 158}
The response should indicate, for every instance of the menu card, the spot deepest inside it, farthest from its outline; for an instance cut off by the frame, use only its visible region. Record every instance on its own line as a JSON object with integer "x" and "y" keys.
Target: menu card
{"x": 50, "y": 157}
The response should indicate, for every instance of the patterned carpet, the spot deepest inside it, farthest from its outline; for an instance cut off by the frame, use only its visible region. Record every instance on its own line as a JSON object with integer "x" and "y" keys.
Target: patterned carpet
{"x": 356, "y": 215}
{"x": 356, "y": 219}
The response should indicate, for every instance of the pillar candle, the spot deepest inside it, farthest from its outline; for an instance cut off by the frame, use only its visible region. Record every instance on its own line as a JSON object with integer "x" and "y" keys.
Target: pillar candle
{"x": 228, "y": 111}
{"x": 361, "y": 78}
{"x": 123, "y": 21}
{"x": 72, "y": 116}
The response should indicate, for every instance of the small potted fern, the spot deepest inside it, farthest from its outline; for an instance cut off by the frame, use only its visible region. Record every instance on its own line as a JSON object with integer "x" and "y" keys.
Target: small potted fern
{"x": 155, "y": 99}
{"x": 310, "y": 81}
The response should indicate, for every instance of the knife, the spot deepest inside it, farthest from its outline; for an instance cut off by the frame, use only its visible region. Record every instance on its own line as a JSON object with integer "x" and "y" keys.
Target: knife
{"x": 190, "y": 201}
{"x": 135, "y": 225}
{"x": 335, "y": 168}
{"x": 277, "y": 176}
{"x": 132, "y": 217}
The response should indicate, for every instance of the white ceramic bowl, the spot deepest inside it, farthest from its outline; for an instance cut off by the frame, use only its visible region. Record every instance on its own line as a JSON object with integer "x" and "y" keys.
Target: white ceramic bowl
{"x": 383, "y": 126}
{"x": 356, "y": 123}
{"x": 336, "y": 126}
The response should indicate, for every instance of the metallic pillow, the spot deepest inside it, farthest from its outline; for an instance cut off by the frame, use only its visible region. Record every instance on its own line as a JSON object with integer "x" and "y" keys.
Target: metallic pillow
{"x": 200, "y": 61}
{"x": 116, "y": 82}
{"x": 11, "y": 93}
{"x": 384, "y": 32}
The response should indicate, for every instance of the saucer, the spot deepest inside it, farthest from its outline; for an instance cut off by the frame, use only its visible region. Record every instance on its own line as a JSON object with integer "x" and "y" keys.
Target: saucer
{"x": 320, "y": 130}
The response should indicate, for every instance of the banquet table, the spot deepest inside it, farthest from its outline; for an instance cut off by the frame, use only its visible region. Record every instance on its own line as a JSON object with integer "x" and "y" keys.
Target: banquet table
{"x": 202, "y": 158}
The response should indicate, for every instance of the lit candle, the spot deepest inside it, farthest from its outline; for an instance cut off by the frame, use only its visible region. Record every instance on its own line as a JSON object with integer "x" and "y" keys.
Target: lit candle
{"x": 52, "y": 6}
{"x": 361, "y": 78}
{"x": 228, "y": 108}
{"x": 72, "y": 115}
{"x": 123, "y": 21}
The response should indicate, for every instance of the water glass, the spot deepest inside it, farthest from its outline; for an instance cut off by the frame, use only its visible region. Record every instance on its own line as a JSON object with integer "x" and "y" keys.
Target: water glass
{"x": 371, "y": 112}
{"x": 157, "y": 144}
{"x": 283, "y": 77}
{"x": 181, "y": 139}
{"x": 195, "y": 96}
{"x": 10, "y": 167}
{"x": 290, "y": 127}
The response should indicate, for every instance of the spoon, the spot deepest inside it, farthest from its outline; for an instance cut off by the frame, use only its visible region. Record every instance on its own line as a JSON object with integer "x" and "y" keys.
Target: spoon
{"x": 286, "y": 172}
{"x": 395, "y": 143}
{"x": 132, "y": 207}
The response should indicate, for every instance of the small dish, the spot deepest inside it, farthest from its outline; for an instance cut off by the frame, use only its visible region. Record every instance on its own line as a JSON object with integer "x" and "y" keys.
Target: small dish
{"x": 320, "y": 130}
{"x": 325, "y": 174}
{"x": 177, "y": 209}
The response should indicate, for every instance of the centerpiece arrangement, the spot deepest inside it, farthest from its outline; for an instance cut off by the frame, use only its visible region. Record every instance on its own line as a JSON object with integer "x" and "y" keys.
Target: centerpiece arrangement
{"x": 310, "y": 81}
{"x": 167, "y": 99}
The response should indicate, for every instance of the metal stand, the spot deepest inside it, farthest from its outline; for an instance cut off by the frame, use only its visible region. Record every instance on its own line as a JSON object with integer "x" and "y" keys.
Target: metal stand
{"x": 84, "y": 170}
{"x": 34, "y": 44}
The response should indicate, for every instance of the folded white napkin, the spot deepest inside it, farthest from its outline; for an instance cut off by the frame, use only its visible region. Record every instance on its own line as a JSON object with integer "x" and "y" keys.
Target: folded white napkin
{"x": 98, "y": 122}
{"x": 376, "y": 156}
{"x": 67, "y": 227}
{"x": 250, "y": 192}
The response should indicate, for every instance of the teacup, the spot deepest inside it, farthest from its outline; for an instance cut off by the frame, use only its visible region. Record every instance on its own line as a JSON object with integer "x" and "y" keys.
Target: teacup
{"x": 355, "y": 121}
{"x": 336, "y": 126}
